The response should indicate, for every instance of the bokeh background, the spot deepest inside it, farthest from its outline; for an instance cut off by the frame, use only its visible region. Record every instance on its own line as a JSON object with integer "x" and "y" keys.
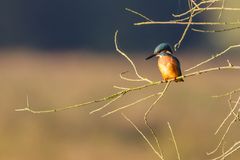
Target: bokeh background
{"x": 61, "y": 53}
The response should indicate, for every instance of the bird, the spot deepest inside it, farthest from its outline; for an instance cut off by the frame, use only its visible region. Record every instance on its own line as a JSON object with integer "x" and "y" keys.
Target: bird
{"x": 168, "y": 64}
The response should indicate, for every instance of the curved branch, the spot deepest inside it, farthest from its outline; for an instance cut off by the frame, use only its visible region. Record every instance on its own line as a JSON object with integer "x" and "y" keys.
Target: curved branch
{"x": 131, "y": 62}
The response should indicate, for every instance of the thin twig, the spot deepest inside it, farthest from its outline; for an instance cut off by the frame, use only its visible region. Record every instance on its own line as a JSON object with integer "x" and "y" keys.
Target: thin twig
{"x": 131, "y": 62}
{"x": 174, "y": 141}
{"x": 230, "y": 106}
{"x": 218, "y": 8}
{"x": 107, "y": 104}
{"x": 230, "y": 113}
{"x": 228, "y": 93}
{"x": 144, "y": 137}
{"x": 129, "y": 105}
{"x": 214, "y": 56}
{"x": 121, "y": 88}
{"x": 177, "y": 45}
{"x": 149, "y": 110}
{"x": 139, "y": 14}
{"x": 195, "y": 13}
{"x": 186, "y": 23}
{"x": 232, "y": 149}
{"x": 230, "y": 101}
{"x": 194, "y": 8}
{"x": 160, "y": 96}
{"x": 129, "y": 79}
{"x": 223, "y": 137}
{"x": 220, "y": 14}
{"x": 198, "y": 8}
{"x": 214, "y": 31}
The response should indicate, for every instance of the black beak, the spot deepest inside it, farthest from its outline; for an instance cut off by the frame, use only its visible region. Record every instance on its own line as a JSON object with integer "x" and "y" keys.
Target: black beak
{"x": 153, "y": 55}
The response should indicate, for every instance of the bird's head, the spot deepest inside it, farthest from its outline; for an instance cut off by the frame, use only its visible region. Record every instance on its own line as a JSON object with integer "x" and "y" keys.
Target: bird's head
{"x": 161, "y": 48}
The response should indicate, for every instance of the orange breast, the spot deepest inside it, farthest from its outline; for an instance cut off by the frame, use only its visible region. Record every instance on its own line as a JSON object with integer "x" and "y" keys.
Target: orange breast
{"x": 168, "y": 67}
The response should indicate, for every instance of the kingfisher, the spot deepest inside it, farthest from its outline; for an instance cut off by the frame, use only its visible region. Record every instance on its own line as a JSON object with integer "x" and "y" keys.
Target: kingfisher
{"x": 168, "y": 64}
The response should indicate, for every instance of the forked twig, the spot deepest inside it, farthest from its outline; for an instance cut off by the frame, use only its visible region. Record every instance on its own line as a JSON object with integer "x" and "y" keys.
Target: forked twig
{"x": 144, "y": 137}
{"x": 195, "y": 7}
{"x": 131, "y": 62}
{"x": 236, "y": 117}
{"x": 223, "y": 137}
{"x": 232, "y": 149}
{"x": 130, "y": 104}
{"x": 230, "y": 113}
{"x": 107, "y": 104}
{"x": 149, "y": 110}
{"x": 160, "y": 96}
{"x": 158, "y": 153}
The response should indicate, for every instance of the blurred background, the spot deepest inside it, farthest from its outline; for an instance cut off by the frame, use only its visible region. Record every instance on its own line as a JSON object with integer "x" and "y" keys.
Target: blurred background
{"x": 62, "y": 53}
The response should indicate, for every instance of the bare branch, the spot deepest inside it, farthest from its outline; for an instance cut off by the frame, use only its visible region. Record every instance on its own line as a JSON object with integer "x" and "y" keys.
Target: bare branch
{"x": 123, "y": 92}
{"x": 149, "y": 110}
{"x": 129, "y": 79}
{"x": 139, "y": 14}
{"x": 174, "y": 141}
{"x": 214, "y": 31}
{"x": 144, "y": 137}
{"x": 232, "y": 149}
{"x": 214, "y": 56}
{"x": 160, "y": 96}
{"x": 186, "y": 23}
{"x": 129, "y": 105}
{"x": 177, "y": 45}
{"x": 228, "y": 93}
{"x": 220, "y": 14}
{"x": 107, "y": 104}
{"x": 195, "y": 7}
{"x": 131, "y": 62}
{"x": 223, "y": 137}
{"x": 231, "y": 112}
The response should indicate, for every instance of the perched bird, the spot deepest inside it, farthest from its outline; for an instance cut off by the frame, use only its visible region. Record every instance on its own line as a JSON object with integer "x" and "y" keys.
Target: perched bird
{"x": 168, "y": 64}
